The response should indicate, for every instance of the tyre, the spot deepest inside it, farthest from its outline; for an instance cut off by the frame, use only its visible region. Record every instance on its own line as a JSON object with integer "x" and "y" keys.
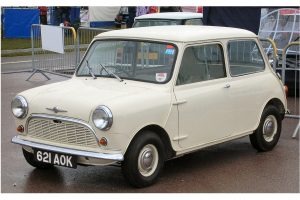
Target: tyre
{"x": 30, "y": 159}
{"x": 266, "y": 136}
{"x": 144, "y": 160}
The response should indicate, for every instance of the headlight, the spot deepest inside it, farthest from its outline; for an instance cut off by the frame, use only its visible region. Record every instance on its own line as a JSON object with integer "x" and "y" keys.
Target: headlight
{"x": 102, "y": 118}
{"x": 19, "y": 107}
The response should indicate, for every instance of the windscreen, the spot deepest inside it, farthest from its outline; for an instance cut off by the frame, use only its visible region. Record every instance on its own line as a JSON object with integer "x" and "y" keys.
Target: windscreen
{"x": 135, "y": 60}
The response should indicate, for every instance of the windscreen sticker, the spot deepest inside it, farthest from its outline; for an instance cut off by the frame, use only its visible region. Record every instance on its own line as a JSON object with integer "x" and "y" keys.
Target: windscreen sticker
{"x": 170, "y": 51}
{"x": 161, "y": 77}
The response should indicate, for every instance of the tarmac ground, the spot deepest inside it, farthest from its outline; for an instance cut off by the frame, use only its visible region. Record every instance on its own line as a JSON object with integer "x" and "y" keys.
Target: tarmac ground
{"x": 231, "y": 167}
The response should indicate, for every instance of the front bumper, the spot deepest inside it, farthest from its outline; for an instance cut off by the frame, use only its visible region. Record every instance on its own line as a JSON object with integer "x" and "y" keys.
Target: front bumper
{"x": 106, "y": 156}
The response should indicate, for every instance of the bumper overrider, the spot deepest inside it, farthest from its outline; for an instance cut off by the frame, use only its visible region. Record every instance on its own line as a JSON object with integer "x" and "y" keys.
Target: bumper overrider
{"x": 75, "y": 152}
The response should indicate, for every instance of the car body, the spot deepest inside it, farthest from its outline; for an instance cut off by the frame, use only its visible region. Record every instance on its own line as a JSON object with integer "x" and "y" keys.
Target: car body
{"x": 139, "y": 98}
{"x": 168, "y": 18}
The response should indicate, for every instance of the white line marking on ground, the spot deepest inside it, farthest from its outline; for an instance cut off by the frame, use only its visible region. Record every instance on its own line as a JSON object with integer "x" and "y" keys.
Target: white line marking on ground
{"x": 27, "y": 61}
{"x": 24, "y": 61}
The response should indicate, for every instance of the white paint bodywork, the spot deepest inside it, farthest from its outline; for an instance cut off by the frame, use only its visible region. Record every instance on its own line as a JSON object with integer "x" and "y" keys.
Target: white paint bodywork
{"x": 194, "y": 115}
{"x": 171, "y": 15}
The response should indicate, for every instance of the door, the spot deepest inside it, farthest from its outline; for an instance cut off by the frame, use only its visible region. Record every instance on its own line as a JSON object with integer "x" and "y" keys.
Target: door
{"x": 249, "y": 84}
{"x": 202, "y": 96}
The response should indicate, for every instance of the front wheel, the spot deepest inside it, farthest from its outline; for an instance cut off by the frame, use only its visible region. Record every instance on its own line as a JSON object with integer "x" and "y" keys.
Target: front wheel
{"x": 266, "y": 136}
{"x": 144, "y": 160}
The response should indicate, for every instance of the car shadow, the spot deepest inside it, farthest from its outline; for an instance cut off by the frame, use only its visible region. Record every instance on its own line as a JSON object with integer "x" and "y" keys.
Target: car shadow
{"x": 45, "y": 180}
{"x": 211, "y": 163}
{"x": 210, "y": 157}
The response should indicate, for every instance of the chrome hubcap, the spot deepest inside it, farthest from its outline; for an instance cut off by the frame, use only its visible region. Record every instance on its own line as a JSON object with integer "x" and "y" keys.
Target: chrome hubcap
{"x": 148, "y": 160}
{"x": 269, "y": 128}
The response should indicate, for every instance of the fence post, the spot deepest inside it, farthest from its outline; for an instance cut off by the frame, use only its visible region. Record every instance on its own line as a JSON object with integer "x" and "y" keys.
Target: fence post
{"x": 284, "y": 58}
{"x": 284, "y": 68}
{"x": 275, "y": 51}
{"x": 35, "y": 70}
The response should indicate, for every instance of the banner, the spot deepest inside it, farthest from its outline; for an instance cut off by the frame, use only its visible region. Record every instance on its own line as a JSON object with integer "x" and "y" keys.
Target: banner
{"x": 52, "y": 38}
{"x": 17, "y": 22}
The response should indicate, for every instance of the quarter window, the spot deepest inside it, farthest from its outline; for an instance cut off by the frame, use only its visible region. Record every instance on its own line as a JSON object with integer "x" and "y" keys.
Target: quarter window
{"x": 201, "y": 63}
{"x": 244, "y": 58}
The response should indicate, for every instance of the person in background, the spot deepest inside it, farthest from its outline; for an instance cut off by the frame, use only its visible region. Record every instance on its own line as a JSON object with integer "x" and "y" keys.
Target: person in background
{"x": 153, "y": 9}
{"x": 67, "y": 23}
{"x": 43, "y": 14}
{"x": 65, "y": 14}
{"x": 121, "y": 17}
{"x": 58, "y": 15}
{"x": 131, "y": 16}
{"x": 141, "y": 10}
{"x": 170, "y": 9}
{"x": 62, "y": 14}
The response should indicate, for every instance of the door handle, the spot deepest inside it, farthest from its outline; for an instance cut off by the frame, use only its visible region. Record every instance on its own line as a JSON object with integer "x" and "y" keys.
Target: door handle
{"x": 179, "y": 102}
{"x": 227, "y": 86}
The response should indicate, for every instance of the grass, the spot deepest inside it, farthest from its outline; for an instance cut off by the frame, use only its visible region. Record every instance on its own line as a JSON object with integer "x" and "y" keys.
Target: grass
{"x": 9, "y": 44}
{"x": 16, "y": 54}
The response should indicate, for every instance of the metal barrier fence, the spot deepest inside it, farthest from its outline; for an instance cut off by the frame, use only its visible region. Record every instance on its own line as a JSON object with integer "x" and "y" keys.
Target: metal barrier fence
{"x": 52, "y": 62}
{"x": 271, "y": 50}
{"x": 84, "y": 37}
{"x": 291, "y": 64}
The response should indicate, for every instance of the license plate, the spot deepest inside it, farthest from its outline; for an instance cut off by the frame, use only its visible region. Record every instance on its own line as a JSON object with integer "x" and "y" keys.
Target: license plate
{"x": 54, "y": 158}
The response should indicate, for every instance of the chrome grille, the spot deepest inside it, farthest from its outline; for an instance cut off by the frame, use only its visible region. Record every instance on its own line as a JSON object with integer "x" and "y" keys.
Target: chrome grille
{"x": 61, "y": 132}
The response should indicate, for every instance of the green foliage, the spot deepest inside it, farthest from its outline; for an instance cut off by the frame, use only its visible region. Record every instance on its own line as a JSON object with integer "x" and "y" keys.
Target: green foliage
{"x": 9, "y": 44}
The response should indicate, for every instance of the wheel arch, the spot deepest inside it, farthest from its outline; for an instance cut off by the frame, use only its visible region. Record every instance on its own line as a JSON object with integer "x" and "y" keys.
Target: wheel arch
{"x": 163, "y": 135}
{"x": 278, "y": 104}
{"x": 274, "y": 102}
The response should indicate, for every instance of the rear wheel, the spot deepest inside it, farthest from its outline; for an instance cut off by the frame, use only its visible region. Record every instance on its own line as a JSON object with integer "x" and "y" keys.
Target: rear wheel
{"x": 30, "y": 159}
{"x": 144, "y": 160}
{"x": 266, "y": 136}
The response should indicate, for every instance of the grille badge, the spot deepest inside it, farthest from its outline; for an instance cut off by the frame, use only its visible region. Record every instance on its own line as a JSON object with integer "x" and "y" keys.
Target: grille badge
{"x": 56, "y": 109}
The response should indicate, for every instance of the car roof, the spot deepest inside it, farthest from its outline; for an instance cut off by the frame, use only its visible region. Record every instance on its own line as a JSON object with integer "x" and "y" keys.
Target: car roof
{"x": 177, "y": 33}
{"x": 170, "y": 15}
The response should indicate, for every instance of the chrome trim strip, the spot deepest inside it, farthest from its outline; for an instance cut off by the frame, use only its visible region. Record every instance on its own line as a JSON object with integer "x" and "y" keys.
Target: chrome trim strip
{"x": 117, "y": 156}
{"x": 67, "y": 119}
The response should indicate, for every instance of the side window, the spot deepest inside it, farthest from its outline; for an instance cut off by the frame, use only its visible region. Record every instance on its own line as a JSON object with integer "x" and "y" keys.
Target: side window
{"x": 141, "y": 23}
{"x": 244, "y": 57}
{"x": 193, "y": 22}
{"x": 201, "y": 63}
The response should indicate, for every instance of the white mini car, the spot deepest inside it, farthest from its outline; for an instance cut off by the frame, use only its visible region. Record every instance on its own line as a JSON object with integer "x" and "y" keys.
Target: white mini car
{"x": 168, "y": 18}
{"x": 139, "y": 98}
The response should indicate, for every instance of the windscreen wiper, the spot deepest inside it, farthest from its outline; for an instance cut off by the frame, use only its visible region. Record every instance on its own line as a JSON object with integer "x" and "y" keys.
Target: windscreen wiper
{"x": 111, "y": 73}
{"x": 90, "y": 70}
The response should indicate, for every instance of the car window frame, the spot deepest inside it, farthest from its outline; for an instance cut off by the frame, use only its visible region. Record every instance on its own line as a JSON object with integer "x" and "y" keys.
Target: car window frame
{"x": 228, "y": 59}
{"x": 219, "y": 42}
{"x": 136, "y": 40}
